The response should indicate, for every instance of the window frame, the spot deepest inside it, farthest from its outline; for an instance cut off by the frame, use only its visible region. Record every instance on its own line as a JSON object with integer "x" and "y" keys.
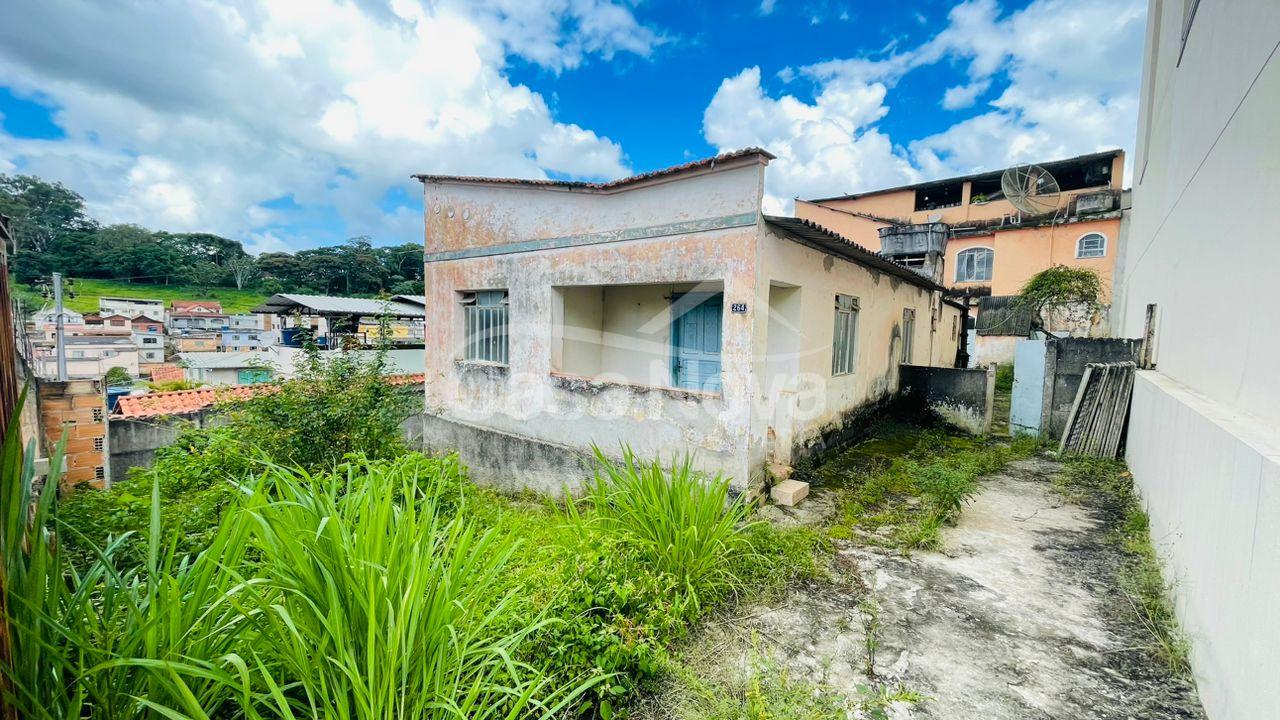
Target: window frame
{"x": 844, "y": 336}
{"x": 1105, "y": 241}
{"x": 991, "y": 265}
{"x": 486, "y": 323}
{"x": 908, "y": 335}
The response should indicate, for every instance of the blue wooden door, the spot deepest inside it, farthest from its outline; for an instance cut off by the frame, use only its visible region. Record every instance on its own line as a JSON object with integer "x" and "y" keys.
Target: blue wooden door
{"x": 695, "y": 340}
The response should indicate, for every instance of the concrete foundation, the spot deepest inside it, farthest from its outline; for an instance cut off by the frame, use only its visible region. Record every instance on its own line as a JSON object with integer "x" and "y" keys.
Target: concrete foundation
{"x": 1210, "y": 479}
{"x": 490, "y": 457}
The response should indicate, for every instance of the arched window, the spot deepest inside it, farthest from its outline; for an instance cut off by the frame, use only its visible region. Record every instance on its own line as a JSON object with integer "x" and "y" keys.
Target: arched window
{"x": 1092, "y": 245}
{"x": 974, "y": 264}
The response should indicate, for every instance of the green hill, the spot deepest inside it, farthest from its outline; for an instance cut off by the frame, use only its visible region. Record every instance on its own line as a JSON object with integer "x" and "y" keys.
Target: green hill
{"x": 88, "y": 291}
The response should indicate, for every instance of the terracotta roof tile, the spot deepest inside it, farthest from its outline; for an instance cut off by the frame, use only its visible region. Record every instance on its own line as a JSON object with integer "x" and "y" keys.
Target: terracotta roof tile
{"x": 186, "y": 402}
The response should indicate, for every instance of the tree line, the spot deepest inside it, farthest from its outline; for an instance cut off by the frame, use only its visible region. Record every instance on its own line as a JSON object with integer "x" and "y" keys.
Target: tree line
{"x": 53, "y": 232}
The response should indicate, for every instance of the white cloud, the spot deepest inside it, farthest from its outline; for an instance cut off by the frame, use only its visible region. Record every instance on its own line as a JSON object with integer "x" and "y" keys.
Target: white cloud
{"x": 963, "y": 96}
{"x": 768, "y": 6}
{"x": 216, "y": 108}
{"x": 1068, "y": 72}
{"x": 823, "y": 148}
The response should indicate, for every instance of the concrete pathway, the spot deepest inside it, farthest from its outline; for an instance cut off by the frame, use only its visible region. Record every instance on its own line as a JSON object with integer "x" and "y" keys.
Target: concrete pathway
{"x": 1018, "y": 617}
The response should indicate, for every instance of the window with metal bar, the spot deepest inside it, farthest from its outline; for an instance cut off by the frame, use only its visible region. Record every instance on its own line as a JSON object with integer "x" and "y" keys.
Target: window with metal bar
{"x": 844, "y": 340}
{"x": 908, "y": 334}
{"x": 484, "y": 315}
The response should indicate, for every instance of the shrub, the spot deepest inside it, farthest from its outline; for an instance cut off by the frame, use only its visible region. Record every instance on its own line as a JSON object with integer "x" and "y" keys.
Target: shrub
{"x": 377, "y": 600}
{"x": 118, "y": 376}
{"x": 683, "y": 522}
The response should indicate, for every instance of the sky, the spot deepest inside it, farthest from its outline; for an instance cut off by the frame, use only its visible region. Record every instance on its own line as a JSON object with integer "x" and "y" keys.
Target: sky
{"x": 289, "y": 125}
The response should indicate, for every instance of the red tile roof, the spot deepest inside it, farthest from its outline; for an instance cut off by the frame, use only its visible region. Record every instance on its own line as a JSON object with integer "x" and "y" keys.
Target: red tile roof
{"x": 695, "y": 165}
{"x": 195, "y": 307}
{"x": 186, "y": 402}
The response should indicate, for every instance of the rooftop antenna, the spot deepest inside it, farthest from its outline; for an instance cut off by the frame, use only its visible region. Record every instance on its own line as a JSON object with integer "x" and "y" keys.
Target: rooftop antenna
{"x": 1031, "y": 189}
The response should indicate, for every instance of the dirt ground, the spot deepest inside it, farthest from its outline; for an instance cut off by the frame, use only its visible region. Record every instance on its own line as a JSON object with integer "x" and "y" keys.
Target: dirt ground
{"x": 1018, "y": 616}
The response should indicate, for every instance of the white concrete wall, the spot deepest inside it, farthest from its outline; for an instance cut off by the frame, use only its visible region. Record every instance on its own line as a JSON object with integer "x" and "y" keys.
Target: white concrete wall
{"x": 1202, "y": 245}
{"x": 1202, "y": 239}
{"x": 1210, "y": 479}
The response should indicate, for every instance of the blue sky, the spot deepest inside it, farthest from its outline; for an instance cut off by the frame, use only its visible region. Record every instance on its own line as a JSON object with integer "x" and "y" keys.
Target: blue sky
{"x": 288, "y": 125}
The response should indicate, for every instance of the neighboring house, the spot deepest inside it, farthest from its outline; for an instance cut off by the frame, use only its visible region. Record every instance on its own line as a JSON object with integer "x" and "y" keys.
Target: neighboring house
{"x": 963, "y": 232}
{"x": 246, "y": 340}
{"x": 195, "y": 315}
{"x": 147, "y": 324}
{"x": 50, "y": 318}
{"x": 663, "y": 311}
{"x": 130, "y": 307}
{"x": 1200, "y": 255}
{"x": 331, "y": 319}
{"x": 150, "y": 349}
{"x": 193, "y": 341}
{"x": 88, "y": 356}
{"x": 228, "y": 368}
{"x": 121, "y": 324}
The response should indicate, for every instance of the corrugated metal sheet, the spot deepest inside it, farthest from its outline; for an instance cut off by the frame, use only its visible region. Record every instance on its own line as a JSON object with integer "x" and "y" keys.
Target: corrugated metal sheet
{"x": 285, "y": 303}
{"x": 999, "y": 315}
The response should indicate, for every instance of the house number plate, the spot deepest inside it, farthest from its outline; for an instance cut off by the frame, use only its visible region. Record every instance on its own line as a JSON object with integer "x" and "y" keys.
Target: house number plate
{"x": 738, "y": 308}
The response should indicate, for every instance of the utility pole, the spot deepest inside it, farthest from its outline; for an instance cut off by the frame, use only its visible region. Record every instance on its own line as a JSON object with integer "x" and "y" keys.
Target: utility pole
{"x": 59, "y": 340}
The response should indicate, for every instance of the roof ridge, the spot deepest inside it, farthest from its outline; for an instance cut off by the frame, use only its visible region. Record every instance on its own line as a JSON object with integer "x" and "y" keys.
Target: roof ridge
{"x": 608, "y": 185}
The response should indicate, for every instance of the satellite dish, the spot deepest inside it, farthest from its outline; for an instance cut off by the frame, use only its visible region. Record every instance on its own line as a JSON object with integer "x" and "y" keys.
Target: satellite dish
{"x": 1031, "y": 189}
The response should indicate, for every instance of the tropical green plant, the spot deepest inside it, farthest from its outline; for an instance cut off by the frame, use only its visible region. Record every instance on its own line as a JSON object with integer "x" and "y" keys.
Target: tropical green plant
{"x": 118, "y": 376}
{"x": 100, "y": 643}
{"x": 1071, "y": 291}
{"x": 684, "y": 522}
{"x": 378, "y": 600}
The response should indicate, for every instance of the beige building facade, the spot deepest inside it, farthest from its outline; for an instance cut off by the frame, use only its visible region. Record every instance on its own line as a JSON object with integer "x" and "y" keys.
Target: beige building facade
{"x": 1201, "y": 253}
{"x": 664, "y": 312}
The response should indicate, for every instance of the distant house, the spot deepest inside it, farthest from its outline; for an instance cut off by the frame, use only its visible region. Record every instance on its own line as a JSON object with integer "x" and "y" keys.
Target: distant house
{"x": 248, "y": 332}
{"x": 228, "y": 368}
{"x": 330, "y": 317}
{"x": 150, "y": 349}
{"x": 130, "y": 307}
{"x": 48, "y": 317}
{"x": 192, "y": 341}
{"x": 88, "y": 356}
{"x": 147, "y": 324}
{"x": 186, "y": 315}
{"x": 964, "y": 233}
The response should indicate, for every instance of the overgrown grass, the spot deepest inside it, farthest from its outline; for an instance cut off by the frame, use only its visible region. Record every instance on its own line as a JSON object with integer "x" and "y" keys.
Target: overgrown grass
{"x": 382, "y": 588}
{"x": 1004, "y": 378}
{"x": 88, "y": 290}
{"x": 766, "y": 690}
{"x": 905, "y": 500}
{"x": 1140, "y": 575}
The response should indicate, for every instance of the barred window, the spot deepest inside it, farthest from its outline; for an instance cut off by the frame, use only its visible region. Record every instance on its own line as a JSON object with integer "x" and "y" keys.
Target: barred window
{"x": 844, "y": 341}
{"x": 908, "y": 334}
{"x": 484, "y": 315}
{"x": 1093, "y": 245}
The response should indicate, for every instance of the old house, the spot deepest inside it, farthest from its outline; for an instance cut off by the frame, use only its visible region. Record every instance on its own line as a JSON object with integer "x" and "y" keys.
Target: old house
{"x": 663, "y": 311}
{"x": 967, "y": 235}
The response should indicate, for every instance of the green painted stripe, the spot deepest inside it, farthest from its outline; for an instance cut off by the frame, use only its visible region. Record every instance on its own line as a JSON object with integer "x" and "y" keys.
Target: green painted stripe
{"x": 611, "y": 236}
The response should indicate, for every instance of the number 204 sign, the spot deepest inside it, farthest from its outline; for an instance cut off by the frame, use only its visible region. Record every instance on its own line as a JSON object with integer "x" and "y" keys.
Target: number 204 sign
{"x": 738, "y": 308}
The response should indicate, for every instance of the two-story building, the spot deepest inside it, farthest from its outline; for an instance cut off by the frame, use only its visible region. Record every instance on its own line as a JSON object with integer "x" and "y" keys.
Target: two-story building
{"x": 980, "y": 243}
{"x": 87, "y": 356}
{"x": 248, "y": 332}
{"x": 664, "y": 311}
{"x": 130, "y": 307}
{"x": 196, "y": 315}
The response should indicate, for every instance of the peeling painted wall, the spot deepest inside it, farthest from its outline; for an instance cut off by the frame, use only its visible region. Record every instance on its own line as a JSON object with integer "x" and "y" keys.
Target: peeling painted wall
{"x": 545, "y": 246}
{"x": 802, "y": 410}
